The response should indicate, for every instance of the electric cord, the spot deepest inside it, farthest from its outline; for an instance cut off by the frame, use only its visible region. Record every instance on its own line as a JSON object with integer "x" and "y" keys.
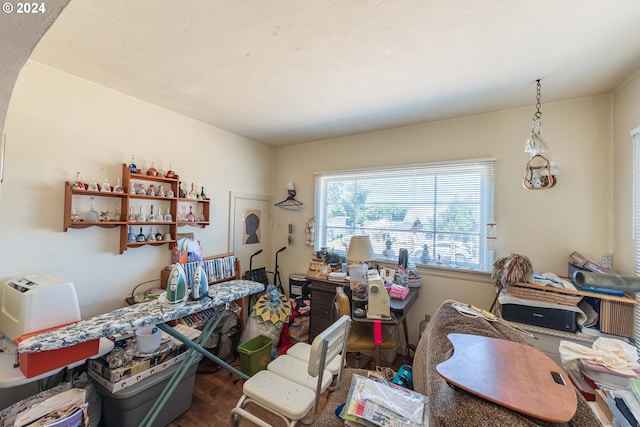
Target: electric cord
{"x": 472, "y": 311}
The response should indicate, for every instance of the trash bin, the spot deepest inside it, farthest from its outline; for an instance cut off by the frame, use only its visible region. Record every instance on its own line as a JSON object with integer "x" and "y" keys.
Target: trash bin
{"x": 255, "y": 354}
{"x": 298, "y": 286}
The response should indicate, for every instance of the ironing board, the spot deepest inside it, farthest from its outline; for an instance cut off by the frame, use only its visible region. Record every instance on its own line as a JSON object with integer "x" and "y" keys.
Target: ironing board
{"x": 153, "y": 313}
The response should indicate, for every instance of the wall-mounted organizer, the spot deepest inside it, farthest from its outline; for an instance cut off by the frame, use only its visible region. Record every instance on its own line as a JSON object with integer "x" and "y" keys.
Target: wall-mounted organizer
{"x": 144, "y": 218}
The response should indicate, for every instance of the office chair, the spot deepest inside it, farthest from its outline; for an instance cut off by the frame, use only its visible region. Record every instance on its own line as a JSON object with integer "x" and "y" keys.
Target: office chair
{"x": 361, "y": 335}
{"x": 289, "y": 388}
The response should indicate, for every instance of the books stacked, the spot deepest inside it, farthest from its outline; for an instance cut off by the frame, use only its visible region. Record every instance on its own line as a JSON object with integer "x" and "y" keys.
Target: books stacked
{"x": 373, "y": 402}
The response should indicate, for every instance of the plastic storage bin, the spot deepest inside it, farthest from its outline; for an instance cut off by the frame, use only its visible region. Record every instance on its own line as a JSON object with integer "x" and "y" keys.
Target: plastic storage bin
{"x": 128, "y": 407}
{"x": 255, "y": 354}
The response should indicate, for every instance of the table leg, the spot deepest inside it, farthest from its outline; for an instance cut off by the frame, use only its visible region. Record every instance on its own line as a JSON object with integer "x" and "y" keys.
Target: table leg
{"x": 406, "y": 334}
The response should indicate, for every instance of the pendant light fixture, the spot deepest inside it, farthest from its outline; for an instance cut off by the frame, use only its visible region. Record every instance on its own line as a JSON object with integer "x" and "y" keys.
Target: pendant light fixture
{"x": 535, "y": 144}
{"x": 540, "y": 173}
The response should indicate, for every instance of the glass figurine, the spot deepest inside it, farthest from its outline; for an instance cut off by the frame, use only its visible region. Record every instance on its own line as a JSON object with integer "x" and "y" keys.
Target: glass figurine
{"x": 92, "y": 215}
{"x": 190, "y": 216}
{"x": 74, "y": 213}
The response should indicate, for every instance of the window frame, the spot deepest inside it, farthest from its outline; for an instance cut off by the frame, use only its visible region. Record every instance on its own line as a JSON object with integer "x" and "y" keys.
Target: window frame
{"x": 486, "y": 205}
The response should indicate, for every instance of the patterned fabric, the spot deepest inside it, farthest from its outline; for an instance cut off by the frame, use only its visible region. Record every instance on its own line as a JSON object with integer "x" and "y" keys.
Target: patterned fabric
{"x": 136, "y": 316}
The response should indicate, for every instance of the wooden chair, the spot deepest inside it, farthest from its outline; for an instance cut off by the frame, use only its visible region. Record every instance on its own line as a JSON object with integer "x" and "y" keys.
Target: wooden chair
{"x": 361, "y": 335}
{"x": 290, "y": 387}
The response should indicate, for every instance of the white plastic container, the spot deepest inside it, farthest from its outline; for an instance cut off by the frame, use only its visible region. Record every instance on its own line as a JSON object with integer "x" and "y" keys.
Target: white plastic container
{"x": 148, "y": 339}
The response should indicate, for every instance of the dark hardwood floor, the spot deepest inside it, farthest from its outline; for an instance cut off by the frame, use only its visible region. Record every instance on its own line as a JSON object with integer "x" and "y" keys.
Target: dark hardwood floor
{"x": 216, "y": 393}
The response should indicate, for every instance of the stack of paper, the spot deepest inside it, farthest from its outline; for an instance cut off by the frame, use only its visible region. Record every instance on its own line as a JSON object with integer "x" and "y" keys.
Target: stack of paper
{"x": 67, "y": 409}
{"x": 374, "y": 403}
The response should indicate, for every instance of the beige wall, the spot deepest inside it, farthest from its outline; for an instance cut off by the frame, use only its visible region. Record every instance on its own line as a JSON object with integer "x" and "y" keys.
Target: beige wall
{"x": 58, "y": 124}
{"x": 545, "y": 225}
{"x": 626, "y": 118}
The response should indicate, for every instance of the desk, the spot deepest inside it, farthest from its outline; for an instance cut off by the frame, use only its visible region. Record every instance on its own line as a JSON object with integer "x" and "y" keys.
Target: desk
{"x": 323, "y": 292}
{"x": 152, "y": 313}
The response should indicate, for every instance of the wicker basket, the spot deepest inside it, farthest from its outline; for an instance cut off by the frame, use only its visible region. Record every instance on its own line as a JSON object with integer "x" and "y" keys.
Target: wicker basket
{"x": 546, "y": 296}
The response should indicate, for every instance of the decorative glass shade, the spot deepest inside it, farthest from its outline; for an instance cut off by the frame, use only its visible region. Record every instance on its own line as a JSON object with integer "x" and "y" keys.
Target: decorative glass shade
{"x": 360, "y": 249}
{"x": 535, "y": 144}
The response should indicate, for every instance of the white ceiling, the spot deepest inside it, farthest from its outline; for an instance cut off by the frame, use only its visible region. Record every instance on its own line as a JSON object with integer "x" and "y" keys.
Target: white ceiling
{"x": 289, "y": 71}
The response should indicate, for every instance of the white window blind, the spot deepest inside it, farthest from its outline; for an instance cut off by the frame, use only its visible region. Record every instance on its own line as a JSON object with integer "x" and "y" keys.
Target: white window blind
{"x": 635, "y": 134}
{"x": 438, "y": 212}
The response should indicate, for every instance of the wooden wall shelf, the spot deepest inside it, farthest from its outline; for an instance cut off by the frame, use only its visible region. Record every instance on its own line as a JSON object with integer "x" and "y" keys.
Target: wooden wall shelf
{"x": 127, "y": 219}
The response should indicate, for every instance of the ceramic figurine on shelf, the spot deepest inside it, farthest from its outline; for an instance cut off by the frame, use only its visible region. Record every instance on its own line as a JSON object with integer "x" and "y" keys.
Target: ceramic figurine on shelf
{"x": 104, "y": 216}
{"x": 152, "y": 171}
{"x": 167, "y": 236}
{"x": 140, "y": 237}
{"x": 151, "y": 191}
{"x": 159, "y": 235}
{"x": 132, "y": 166}
{"x": 161, "y": 192}
{"x": 141, "y": 216}
{"x": 142, "y": 190}
{"x": 170, "y": 193}
{"x": 192, "y": 194}
{"x": 152, "y": 236}
{"x": 170, "y": 173}
{"x": 180, "y": 190}
{"x": 77, "y": 184}
{"x": 132, "y": 216}
{"x": 93, "y": 185}
{"x": 152, "y": 217}
{"x": 116, "y": 214}
{"x": 132, "y": 188}
{"x": 202, "y": 195}
{"x": 106, "y": 187}
{"x": 131, "y": 237}
{"x": 168, "y": 217}
{"x": 118, "y": 187}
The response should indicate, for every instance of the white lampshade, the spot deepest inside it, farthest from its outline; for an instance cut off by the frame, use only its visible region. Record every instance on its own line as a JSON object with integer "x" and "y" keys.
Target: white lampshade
{"x": 360, "y": 249}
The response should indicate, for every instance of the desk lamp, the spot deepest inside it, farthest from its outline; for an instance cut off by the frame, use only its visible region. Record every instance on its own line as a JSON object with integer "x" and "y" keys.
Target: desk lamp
{"x": 359, "y": 254}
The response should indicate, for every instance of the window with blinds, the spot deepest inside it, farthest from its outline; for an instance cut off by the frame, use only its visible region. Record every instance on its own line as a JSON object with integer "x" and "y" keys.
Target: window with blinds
{"x": 438, "y": 212}
{"x": 635, "y": 134}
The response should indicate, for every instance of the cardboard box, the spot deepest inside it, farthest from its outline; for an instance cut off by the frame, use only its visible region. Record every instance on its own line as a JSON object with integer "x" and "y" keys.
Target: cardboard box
{"x": 116, "y": 386}
{"x": 33, "y": 364}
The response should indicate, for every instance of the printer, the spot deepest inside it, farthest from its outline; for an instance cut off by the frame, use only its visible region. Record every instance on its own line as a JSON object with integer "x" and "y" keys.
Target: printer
{"x": 36, "y": 302}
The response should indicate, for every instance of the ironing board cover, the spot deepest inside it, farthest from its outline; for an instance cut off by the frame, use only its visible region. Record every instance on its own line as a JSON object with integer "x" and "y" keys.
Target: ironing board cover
{"x": 136, "y": 316}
